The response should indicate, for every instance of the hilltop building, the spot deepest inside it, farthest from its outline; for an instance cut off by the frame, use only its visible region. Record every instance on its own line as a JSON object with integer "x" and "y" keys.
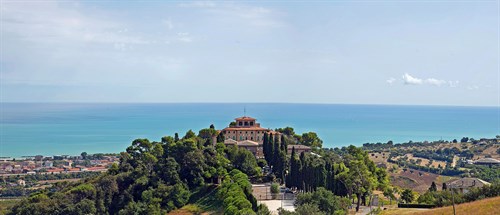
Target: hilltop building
{"x": 298, "y": 149}
{"x": 465, "y": 184}
{"x": 487, "y": 161}
{"x": 246, "y": 132}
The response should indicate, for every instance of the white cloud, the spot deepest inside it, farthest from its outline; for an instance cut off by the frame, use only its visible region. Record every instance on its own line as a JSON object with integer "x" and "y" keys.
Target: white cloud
{"x": 435, "y": 82}
{"x": 473, "y": 87}
{"x": 453, "y": 83}
{"x": 411, "y": 80}
{"x": 408, "y": 79}
{"x": 184, "y": 37}
{"x": 169, "y": 24}
{"x": 49, "y": 22}
{"x": 391, "y": 80}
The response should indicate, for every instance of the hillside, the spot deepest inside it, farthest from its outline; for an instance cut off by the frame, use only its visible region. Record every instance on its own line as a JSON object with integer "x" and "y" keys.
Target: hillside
{"x": 483, "y": 207}
{"x": 415, "y": 165}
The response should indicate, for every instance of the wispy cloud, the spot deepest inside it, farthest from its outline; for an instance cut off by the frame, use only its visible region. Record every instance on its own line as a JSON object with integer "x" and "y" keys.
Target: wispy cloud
{"x": 473, "y": 87}
{"x": 169, "y": 24}
{"x": 391, "y": 80}
{"x": 184, "y": 37}
{"x": 412, "y": 80}
{"x": 198, "y": 4}
{"x": 255, "y": 16}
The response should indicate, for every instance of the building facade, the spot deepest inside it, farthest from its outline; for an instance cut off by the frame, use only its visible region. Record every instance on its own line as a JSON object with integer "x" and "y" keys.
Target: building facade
{"x": 246, "y": 132}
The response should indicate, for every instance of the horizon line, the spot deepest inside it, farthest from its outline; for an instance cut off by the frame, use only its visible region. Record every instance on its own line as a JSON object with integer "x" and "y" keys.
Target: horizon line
{"x": 271, "y": 103}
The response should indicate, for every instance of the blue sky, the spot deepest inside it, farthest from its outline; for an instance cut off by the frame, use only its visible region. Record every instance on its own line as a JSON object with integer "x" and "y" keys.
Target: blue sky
{"x": 359, "y": 52}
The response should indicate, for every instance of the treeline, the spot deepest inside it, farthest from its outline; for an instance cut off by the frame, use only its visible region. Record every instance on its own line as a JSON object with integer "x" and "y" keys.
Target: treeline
{"x": 444, "y": 197}
{"x": 346, "y": 172}
{"x": 275, "y": 153}
{"x": 154, "y": 178}
{"x": 391, "y": 144}
{"x": 321, "y": 201}
{"x": 446, "y": 171}
{"x": 307, "y": 139}
{"x": 490, "y": 174}
{"x": 236, "y": 194}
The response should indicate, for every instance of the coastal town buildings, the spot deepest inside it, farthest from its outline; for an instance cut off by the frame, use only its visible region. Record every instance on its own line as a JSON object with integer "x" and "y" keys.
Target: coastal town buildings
{"x": 29, "y": 165}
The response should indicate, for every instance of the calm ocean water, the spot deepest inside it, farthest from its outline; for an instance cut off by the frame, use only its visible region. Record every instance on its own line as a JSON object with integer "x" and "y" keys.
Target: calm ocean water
{"x": 50, "y": 129}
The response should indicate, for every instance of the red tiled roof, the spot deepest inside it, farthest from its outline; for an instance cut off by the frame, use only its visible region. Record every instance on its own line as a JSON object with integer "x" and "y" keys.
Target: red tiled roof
{"x": 245, "y": 118}
{"x": 96, "y": 168}
{"x": 55, "y": 170}
{"x": 245, "y": 129}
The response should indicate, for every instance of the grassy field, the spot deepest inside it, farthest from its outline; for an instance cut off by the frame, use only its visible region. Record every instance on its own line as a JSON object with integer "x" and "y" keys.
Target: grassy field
{"x": 483, "y": 207}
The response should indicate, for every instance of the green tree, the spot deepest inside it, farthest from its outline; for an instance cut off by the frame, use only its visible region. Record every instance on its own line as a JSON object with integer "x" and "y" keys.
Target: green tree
{"x": 311, "y": 139}
{"x": 407, "y": 195}
{"x": 433, "y": 187}
{"x": 84, "y": 155}
{"x": 189, "y": 134}
{"x": 325, "y": 200}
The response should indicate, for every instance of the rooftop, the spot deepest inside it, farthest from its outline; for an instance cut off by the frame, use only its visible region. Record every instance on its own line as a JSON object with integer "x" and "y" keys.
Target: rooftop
{"x": 467, "y": 183}
{"x": 245, "y": 118}
{"x": 298, "y": 147}
{"x": 245, "y": 128}
{"x": 487, "y": 161}
{"x": 247, "y": 143}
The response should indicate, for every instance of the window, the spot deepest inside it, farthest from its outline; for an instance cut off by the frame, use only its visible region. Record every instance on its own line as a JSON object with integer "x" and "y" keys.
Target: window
{"x": 246, "y": 123}
{"x": 241, "y": 137}
{"x": 251, "y": 138}
{"x": 240, "y": 123}
{"x": 234, "y": 137}
{"x": 246, "y": 132}
{"x": 251, "y": 123}
{"x": 251, "y": 132}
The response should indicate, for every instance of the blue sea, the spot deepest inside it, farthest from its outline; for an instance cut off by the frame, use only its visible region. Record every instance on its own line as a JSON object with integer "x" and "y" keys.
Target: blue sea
{"x": 71, "y": 128}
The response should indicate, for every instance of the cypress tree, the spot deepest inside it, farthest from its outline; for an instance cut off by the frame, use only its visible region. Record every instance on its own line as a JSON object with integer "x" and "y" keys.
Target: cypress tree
{"x": 292, "y": 174}
{"x": 271, "y": 150}
{"x": 265, "y": 148}
{"x": 176, "y": 137}
{"x": 283, "y": 145}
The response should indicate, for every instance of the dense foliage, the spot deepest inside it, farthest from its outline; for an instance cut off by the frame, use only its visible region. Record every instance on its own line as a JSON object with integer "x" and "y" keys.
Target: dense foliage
{"x": 158, "y": 177}
{"x": 154, "y": 178}
{"x": 344, "y": 172}
{"x": 325, "y": 200}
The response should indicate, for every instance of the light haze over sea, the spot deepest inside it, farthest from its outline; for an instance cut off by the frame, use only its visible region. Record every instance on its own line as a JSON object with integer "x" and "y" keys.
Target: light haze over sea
{"x": 71, "y": 128}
